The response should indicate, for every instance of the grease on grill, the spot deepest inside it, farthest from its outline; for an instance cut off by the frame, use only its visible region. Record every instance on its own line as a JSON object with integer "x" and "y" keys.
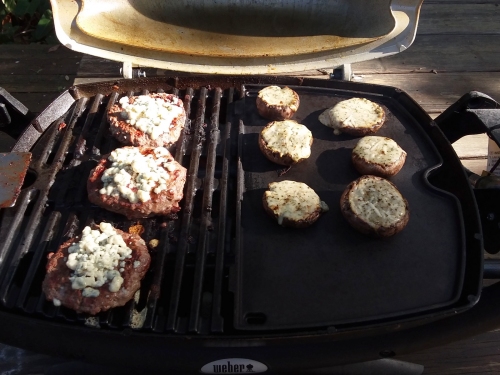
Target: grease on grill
{"x": 136, "y": 229}
{"x": 153, "y": 243}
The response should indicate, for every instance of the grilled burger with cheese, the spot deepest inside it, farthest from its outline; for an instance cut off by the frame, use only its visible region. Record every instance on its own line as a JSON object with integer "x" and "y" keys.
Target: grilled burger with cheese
{"x": 286, "y": 142}
{"x": 379, "y": 156}
{"x": 356, "y": 116}
{"x": 374, "y": 206}
{"x": 276, "y": 103}
{"x": 137, "y": 182}
{"x": 293, "y": 204}
{"x": 96, "y": 271}
{"x": 152, "y": 120}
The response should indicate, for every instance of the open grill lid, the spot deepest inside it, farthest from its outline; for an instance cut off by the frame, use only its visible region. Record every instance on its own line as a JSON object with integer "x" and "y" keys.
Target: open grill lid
{"x": 236, "y": 37}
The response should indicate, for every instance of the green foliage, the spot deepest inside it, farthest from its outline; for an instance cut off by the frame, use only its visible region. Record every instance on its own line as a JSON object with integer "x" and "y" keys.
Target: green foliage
{"x": 26, "y": 21}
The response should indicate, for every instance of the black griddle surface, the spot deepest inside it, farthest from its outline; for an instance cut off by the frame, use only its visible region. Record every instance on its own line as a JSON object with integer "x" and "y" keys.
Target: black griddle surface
{"x": 329, "y": 274}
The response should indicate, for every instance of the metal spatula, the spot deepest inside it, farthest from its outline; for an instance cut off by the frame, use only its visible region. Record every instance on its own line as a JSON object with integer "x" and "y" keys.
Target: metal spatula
{"x": 13, "y": 168}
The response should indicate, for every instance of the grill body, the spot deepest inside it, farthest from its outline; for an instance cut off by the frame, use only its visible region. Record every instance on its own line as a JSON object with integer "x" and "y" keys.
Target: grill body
{"x": 183, "y": 318}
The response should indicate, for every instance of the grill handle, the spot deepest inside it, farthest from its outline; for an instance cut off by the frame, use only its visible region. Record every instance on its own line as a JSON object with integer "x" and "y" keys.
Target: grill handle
{"x": 14, "y": 118}
{"x": 10, "y": 107}
{"x": 477, "y": 113}
{"x": 473, "y": 113}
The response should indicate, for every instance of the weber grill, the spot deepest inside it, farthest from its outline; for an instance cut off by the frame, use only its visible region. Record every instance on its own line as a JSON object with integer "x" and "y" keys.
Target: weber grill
{"x": 228, "y": 289}
{"x": 210, "y": 280}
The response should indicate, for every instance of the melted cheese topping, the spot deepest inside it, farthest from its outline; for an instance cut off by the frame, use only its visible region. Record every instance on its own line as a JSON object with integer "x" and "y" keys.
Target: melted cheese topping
{"x": 355, "y": 112}
{"x": 288, "y": 138}
{"x": 377, "y": 202}
{"x": 153, "y": 116}
{"x": 277, "y": 96}
{"x": 95, "y": 259}
{"x": 134, "y": 176}
{"x": 324, "y": 117}
{"x": 293, "y": 200}
{"x": 379, "y": 150}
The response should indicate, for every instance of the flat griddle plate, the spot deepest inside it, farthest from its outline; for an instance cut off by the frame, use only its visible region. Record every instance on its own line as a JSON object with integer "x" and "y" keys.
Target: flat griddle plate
{"x": 330, "y": 274}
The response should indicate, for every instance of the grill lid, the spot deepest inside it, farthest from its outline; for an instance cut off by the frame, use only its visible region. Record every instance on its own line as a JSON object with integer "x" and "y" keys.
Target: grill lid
{"x": 237, "y": 37}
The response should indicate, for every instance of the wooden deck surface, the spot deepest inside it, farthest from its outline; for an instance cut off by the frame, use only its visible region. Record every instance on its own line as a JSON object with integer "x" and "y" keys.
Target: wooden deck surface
{"x": 457, "y": 50}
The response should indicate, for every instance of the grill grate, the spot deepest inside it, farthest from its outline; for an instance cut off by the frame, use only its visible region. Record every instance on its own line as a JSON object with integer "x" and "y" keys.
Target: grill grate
{"x": 185, "y": 289}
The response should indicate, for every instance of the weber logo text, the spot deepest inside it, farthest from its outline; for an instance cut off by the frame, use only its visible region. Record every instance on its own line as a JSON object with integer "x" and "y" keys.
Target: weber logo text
{"x": 234, "y": 366}
{"x": 231, "y": 369}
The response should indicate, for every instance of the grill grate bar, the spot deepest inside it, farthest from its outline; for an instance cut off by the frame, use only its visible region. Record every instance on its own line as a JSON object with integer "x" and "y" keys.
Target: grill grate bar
{"x": 47, "y": 236}
{"x": 181, "y": 143}
{"x": 106, "y": 318}
{"x": 67, "y": 314}
{"x": 128, "y": 310}
{"x": 40, "y": 159}
{"x": 240, "y": 187}
{"x": 188, "y": 210}
{"x": 81, "y": 153}
{"x": 153, "y": 320}
{"x": 46, "y": 309}
{"x": 217, "y": 320}
{"x": 110, "y": 143}
{"x": 206, "y": 220}
{"x": 154, "y": 292}
{"x": 80, "y": 145}
{"x": 69, "y": 230}
{"x": 127, "y": 313}
{"x": 18, "y": 215}
{"x": 102, "y": 126}
{"x": 30, "y": 305}
{"x": 63, "y": 199}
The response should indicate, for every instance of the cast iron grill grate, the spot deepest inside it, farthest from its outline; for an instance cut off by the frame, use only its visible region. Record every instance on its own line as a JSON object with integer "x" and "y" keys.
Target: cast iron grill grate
{"x": 185, "y": 290}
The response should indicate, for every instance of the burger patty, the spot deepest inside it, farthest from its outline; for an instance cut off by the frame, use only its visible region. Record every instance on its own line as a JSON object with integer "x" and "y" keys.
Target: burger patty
{"x": 57, "y": 285}
{"x": 128, "y": 134}
{"x": 163, "y": 203}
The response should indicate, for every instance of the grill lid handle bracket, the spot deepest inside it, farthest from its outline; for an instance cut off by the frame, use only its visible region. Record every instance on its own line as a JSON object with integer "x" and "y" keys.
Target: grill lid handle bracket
{"x": 128, "y": 71}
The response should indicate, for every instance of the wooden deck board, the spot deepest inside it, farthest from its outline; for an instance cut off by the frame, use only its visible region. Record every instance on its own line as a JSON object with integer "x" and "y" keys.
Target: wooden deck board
{"x": 34, "y": 75}
{"x": 36, "y": 83}
{"x": 36, "y": 102}
{"x": 436, "y": 92}
{"x": 471, "y": 53}
{"x": 459, "y": 18}
{"x": 479, "y": 355}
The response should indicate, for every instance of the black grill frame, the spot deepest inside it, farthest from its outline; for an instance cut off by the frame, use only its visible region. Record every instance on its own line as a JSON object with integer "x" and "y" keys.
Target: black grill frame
{"x": 181, "y": 348}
